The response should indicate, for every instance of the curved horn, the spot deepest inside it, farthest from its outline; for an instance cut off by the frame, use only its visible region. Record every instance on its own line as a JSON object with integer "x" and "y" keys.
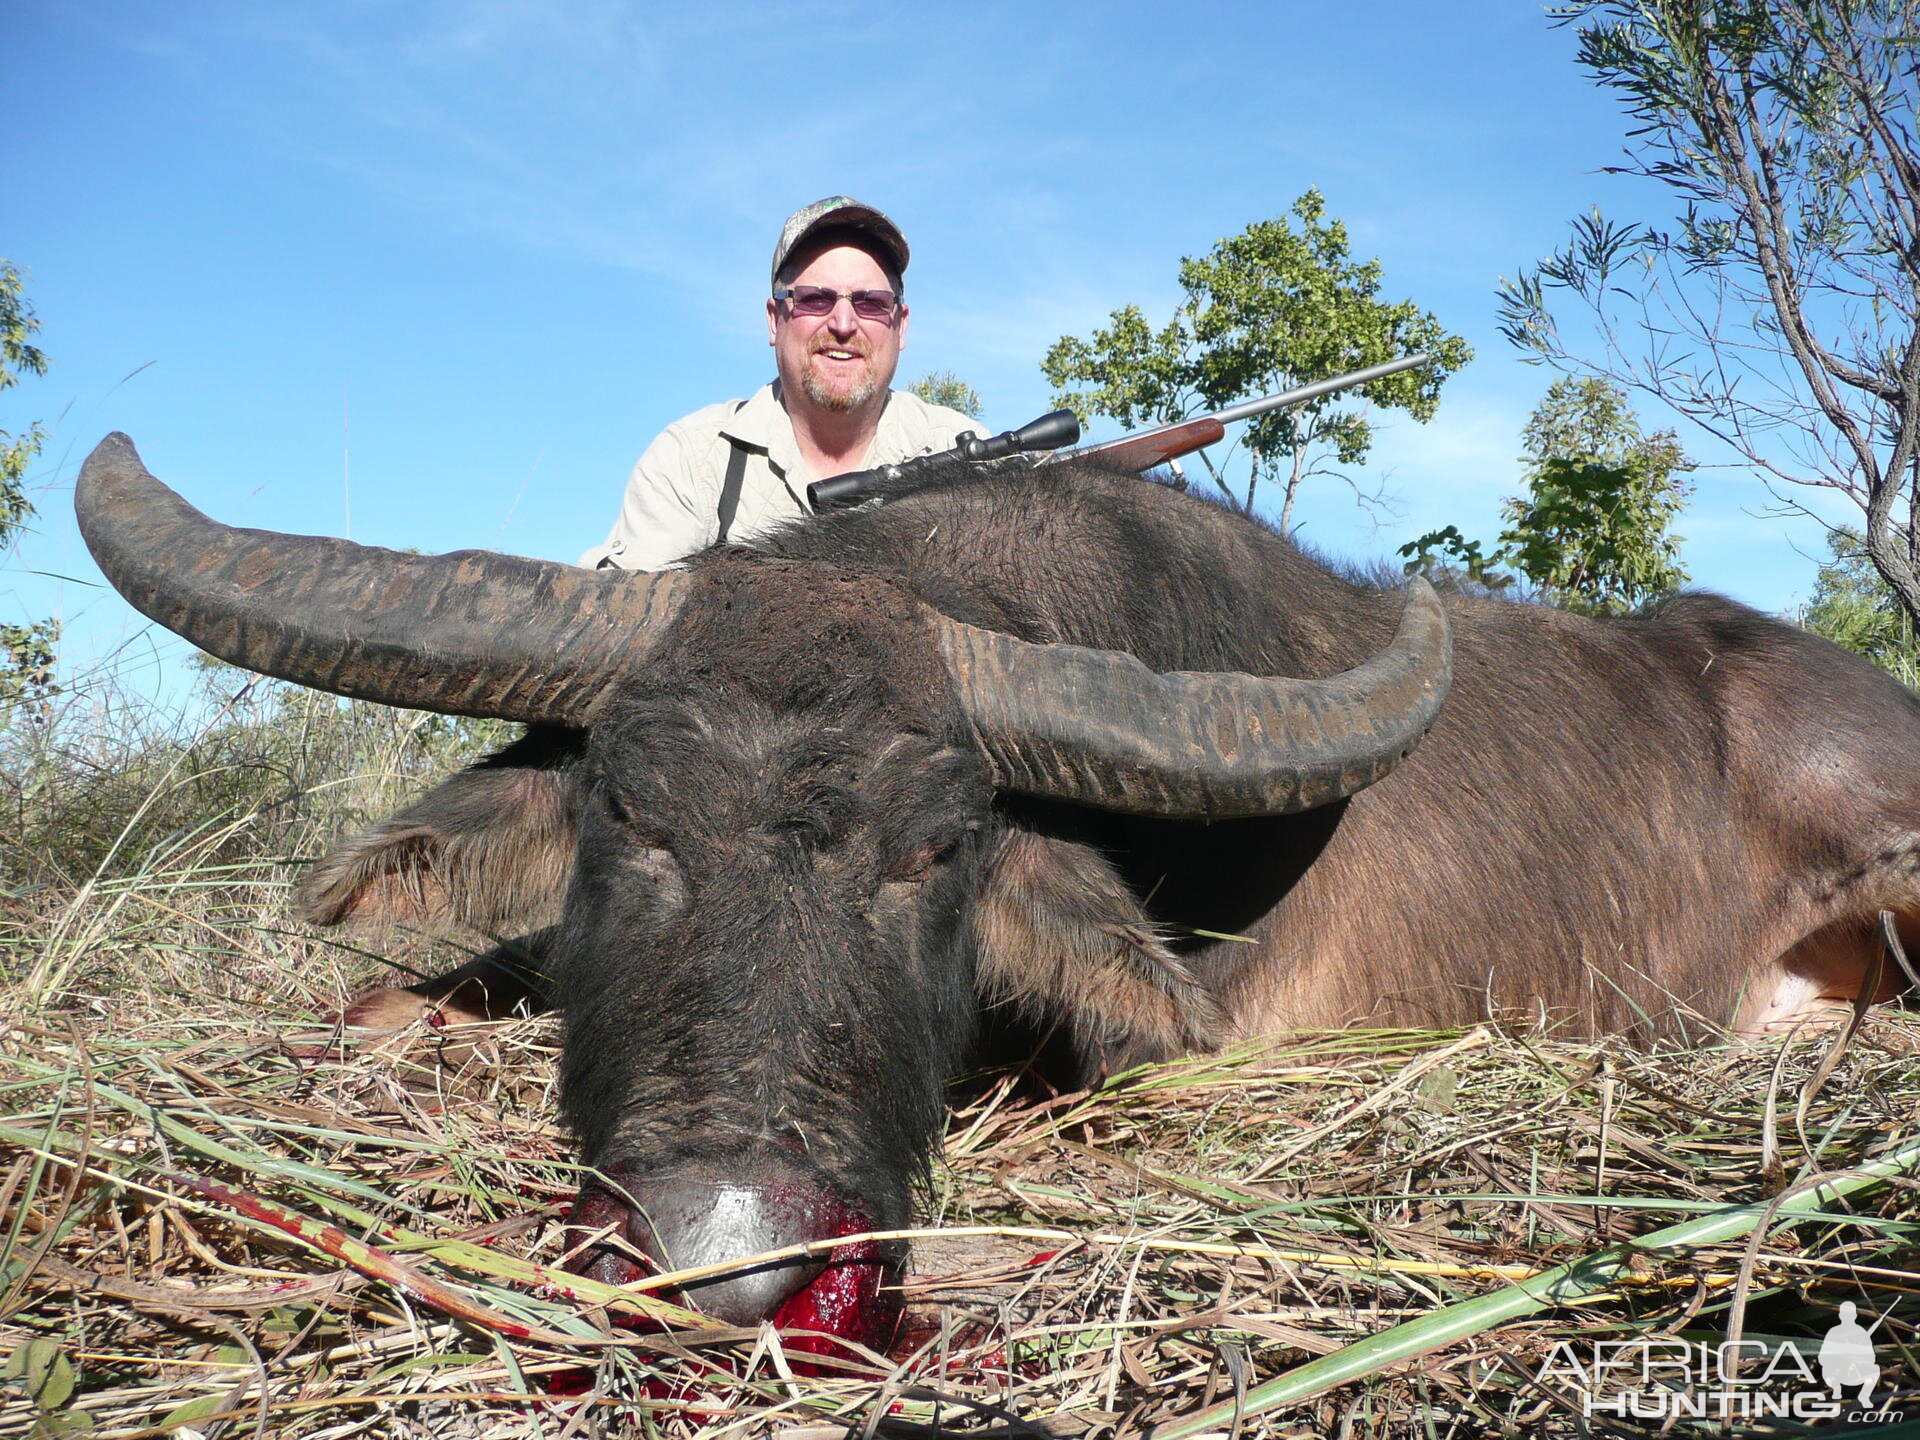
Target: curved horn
{"x": 1098, "y": 728}
{"x": 471, "y": 633}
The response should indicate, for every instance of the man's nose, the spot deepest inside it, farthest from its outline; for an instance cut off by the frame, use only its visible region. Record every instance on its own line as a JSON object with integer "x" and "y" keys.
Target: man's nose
{"x": 841, "y": 320}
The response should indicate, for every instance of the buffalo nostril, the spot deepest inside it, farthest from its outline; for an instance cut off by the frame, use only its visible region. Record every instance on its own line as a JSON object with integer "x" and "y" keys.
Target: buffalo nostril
{"x": 596, "y": 1230}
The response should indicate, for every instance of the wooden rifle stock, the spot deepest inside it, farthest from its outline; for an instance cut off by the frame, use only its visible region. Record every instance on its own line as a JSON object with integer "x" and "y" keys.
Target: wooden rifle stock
{"x": 1140, "y": 453}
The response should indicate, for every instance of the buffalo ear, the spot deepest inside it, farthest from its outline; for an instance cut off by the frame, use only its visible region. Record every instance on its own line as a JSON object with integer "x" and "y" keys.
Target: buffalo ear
{"x": 490, "y": 850}
{"x": 1062, "y": 936}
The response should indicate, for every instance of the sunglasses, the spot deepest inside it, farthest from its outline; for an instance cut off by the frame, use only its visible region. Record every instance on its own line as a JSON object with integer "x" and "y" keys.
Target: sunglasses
{"x": 818, "y": 300}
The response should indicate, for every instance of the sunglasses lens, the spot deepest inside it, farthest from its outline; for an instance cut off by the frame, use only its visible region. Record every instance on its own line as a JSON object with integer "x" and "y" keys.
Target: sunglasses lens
{"x": 874, "y": 304}
{"x": 811, "y": 300}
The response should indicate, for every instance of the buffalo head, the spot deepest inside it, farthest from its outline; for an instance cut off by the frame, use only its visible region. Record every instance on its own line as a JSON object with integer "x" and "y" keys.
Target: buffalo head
{"x": 760, "y": 816}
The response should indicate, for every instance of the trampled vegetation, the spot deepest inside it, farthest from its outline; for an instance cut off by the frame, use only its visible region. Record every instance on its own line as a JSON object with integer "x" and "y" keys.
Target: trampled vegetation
{"x": 219, "y": 1222}
{"x": 218, "y": 1219}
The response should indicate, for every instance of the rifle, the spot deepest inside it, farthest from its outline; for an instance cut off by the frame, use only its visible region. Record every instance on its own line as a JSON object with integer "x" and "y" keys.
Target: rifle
{"x": 1049, "y": 432}
{"x": 1138, "y": 453}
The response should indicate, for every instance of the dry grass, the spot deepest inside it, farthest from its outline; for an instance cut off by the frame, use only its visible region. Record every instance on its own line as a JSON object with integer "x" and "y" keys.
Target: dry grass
{"x": 216, "y": 1225}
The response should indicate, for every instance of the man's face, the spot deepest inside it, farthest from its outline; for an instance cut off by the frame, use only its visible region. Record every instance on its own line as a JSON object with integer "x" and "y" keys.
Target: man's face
{"x": 838, "y": 361}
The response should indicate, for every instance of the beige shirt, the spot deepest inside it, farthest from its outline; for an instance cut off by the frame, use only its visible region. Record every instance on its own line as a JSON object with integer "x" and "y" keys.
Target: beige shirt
{"x": 672, "y": 504}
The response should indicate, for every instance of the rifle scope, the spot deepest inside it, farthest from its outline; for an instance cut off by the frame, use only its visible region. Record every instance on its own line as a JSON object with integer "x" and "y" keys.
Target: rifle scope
{"x": 1049, "y": 432}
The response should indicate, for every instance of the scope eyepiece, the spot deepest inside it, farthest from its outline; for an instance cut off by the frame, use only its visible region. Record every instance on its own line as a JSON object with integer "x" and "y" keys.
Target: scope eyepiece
{"x": 840, "y": 491}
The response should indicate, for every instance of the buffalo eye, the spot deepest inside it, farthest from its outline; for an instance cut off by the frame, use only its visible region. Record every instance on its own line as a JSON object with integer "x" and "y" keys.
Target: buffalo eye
{"x": 623, "y": 815}
{"x": 918, "y": 867}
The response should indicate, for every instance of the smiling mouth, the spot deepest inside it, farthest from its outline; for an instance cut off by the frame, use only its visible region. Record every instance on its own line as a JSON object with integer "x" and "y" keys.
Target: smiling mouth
{"x": 841, "y": 356}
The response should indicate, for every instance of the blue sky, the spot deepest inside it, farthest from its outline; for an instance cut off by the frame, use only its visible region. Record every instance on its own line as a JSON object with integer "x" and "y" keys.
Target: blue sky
{"x": 432, "y": 274}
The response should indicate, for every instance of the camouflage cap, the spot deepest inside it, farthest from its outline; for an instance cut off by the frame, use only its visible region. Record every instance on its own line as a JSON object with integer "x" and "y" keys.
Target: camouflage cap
{"x": 841, "y": 211}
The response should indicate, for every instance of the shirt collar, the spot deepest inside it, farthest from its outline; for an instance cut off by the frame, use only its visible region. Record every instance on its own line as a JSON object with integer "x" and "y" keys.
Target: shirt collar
{"x": 761, "y": 420}
{"x": 763, "y": 424}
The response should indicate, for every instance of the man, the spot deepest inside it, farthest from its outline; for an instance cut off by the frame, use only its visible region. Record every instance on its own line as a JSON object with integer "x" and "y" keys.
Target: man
{"x": 837, "y": 323}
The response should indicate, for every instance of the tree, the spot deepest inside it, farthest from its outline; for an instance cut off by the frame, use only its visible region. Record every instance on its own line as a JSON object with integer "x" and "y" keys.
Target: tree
{"x": 1853, "y": 606}
{"x": 1782, "y": 312}
{"x": 1270, "y": 308}
{"x": 943, "y": 387}
{"x": 1591, "y": 532}
{"x": 26, "y": 651}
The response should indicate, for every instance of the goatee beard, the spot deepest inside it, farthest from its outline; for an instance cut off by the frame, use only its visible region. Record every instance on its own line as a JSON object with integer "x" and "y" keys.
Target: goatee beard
{"x": 838, "y": 402}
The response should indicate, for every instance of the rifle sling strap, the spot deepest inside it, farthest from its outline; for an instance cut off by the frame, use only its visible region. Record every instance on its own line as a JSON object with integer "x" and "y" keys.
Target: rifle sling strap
{"x": 730, "y": 487}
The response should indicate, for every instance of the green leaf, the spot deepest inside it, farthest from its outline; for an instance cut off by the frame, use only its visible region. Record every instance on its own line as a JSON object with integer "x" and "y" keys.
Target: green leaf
{"x": 67, "y": 1422}
{"x": 430, "y": 1362}
{"x": 42, "y": 1369}
{"x": 201, "y": 1409}
{"x": 1437, "y": 1089}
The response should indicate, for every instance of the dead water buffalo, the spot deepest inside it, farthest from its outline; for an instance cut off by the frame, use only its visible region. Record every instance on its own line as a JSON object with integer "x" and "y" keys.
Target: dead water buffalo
{"x": 788, "y": 821}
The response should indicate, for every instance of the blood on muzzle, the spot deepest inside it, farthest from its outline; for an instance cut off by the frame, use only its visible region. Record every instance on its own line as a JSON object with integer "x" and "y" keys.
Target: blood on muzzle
{"x": 706, "y": 1215}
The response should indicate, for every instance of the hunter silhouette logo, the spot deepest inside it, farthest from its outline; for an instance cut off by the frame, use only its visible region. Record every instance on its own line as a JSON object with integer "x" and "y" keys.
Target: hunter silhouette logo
{"x": 1846, "y": 1355}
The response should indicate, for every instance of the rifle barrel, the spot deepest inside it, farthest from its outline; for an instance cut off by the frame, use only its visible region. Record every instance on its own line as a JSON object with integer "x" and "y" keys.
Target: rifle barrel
{"x": 1250, "y": 408}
